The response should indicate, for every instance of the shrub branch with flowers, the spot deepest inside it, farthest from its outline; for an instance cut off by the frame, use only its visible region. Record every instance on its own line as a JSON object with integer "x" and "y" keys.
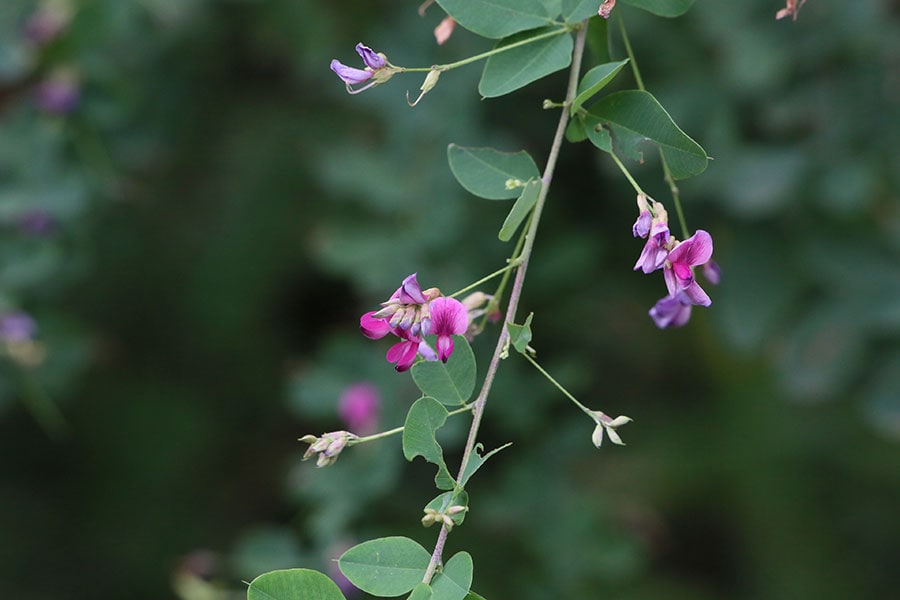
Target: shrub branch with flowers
{"x": 431, "y": 331}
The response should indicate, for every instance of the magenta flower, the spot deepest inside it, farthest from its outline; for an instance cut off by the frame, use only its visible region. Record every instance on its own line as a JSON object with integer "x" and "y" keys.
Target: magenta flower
{"x": 375, "y": 63}
{"x": 410, "y": 314}
{"x": 358, "y": 407}
{"x": 448, "y": 317}
{"x": 679, "y": 273}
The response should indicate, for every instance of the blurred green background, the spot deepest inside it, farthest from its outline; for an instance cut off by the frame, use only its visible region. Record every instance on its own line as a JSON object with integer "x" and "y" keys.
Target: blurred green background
{"x": 194, "y": 213}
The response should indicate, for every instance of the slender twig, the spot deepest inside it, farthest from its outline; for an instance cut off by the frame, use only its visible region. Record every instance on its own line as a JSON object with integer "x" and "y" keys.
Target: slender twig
{"x": 396, "y": 430}
{"x": 518, "y": 283}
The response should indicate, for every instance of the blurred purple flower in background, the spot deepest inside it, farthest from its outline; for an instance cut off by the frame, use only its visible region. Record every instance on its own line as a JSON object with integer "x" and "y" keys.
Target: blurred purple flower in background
{"x": 59, "y": 93}
{"x": 359, "y": 406}
{"x": 17, "y": 327}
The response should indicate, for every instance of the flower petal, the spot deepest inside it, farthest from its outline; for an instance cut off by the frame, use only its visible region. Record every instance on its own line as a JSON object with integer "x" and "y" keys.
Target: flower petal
{"x": 697, "y": 295}
{"x": 670, "y": 312}
{"x": 372, "y": 327}
{"x": 410, "y": 292}
{"x": 695, "y": 250}
{"x": 448, "y": 317}
{"x": 372, "y": 59}
{"x": 349, "y": 75}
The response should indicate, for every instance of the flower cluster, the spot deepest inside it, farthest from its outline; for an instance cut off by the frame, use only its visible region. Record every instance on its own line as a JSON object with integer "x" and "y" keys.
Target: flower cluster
{"x": 378, "y": 70}
{"x": 677, "y": 259}
{"x": 411, "y": 314}
{"x": 328, "y": 446}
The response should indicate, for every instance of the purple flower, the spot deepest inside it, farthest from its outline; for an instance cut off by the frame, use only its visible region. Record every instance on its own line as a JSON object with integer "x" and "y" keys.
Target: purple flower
{"x": 349, "y": 75}
{"x": 17, "y": 327}
{"x": 712, "y": 272}
{"x": 409, "y": 292}
{"x": 46, "y": 23}
{"x": 36, "y": 222}
{"x": 679, "y": 274}
{"x": 653, "y": 256}
{"x": 358, "y": 407}
{"x": 374, "y": 62}
{"x": 671, "y": 311}
{"x": 58, "y": 94}
{"x": 641, "y": 226}
{"x": 448, "y": 317}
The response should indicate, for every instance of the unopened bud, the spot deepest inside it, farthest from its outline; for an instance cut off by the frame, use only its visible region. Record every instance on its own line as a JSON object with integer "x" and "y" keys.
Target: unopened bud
{"x": 430, "y": 81}
{"x": 456, "y": 509}
{"x": 597, "y": 436}
{"x": 448, "y": 522}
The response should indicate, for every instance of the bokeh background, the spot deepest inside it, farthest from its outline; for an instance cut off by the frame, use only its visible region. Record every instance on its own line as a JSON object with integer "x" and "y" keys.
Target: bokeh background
{"x": 193, "y": 214}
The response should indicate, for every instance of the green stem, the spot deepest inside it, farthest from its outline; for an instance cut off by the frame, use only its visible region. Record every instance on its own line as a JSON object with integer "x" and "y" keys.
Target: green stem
{"x": 487, "y": 54}
{"x": 518, "y": 283}
{"x": 667, "y": 172}
{"x": 396, "y": 430}
{"x": 558, "y": 385}
{"x": 512, "y": 265}
{"x": 627, "y": 175}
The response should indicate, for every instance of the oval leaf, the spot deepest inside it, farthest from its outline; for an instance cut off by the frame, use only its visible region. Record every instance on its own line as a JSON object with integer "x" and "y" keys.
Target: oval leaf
{"x": 520, "y": 210}
{"x": 384, "y": 567}
{"x": 486, "y": 172}
{"x": 635, "y": 116}
{"x": 454, "y": 581}
{"x": 293, "y": 584}
{"x": 450, "y": 383}
{"x": 663, "y": 8}
{"x": 497, "y": 18}
{"x": 421, "y": 592}
{"x": 423, "y": 420}
{"x": 517, "y": 67}
{"x": 595, "y": 80}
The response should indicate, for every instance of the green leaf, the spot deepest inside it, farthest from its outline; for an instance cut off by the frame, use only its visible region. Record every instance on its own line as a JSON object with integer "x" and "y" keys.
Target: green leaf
{"x": 595, "y": 80}
{"x": 498, "y": 18}
{"x": 663, "y": 8}
{"x": 515, "y": 68}
{"x": 454, "y": 581}
{"x": 474, "y": 596}
{"x": 384, "y": 567}
{"x": 424, "y": 418}
{"x": 452, "y": 382}
{"x": 635, "y": 116}
{"x": 444, "y": 501}
{"x": 476, "y": 460}
{"x": 597, "y": 133}
{"x": 575, "y": 130}
{"x": 574, "y": 11}
{"x": 421, "y": 592}
{"x": 486, "y": 172}
{"x": 293, "y": 584}
{"x": 520, "y": 335}
{"x": 520, "y": 210}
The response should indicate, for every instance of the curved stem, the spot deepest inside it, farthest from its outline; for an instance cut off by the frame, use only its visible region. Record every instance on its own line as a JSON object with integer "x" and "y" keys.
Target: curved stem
{"x": 518, "y": 283}
{"x": 512, "y": 265}
{"x": 396, "y": 430}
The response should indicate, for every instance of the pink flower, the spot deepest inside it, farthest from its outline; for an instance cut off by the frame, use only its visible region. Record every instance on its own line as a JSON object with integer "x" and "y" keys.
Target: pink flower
{"x": 448, "y": 317}
{"x": 679, "y": 273}
{"x": 358, "y": 407}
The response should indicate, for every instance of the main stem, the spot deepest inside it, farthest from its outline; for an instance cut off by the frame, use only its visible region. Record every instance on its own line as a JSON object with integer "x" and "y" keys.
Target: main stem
{"x": 518, "y": 283}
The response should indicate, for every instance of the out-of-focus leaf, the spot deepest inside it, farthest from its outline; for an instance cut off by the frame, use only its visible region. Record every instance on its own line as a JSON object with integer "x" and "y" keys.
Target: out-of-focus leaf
{"x": 578, "y": 10}
{"x": 421, "y": 592}
{"x": 385, "y": 567}
{"x": 489, "y": 173}
{"x": 508, "y": 71}
{"x": 293, "y": 584}
{"x": 498, "y": 18}
{"x": 663, "y": 8}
